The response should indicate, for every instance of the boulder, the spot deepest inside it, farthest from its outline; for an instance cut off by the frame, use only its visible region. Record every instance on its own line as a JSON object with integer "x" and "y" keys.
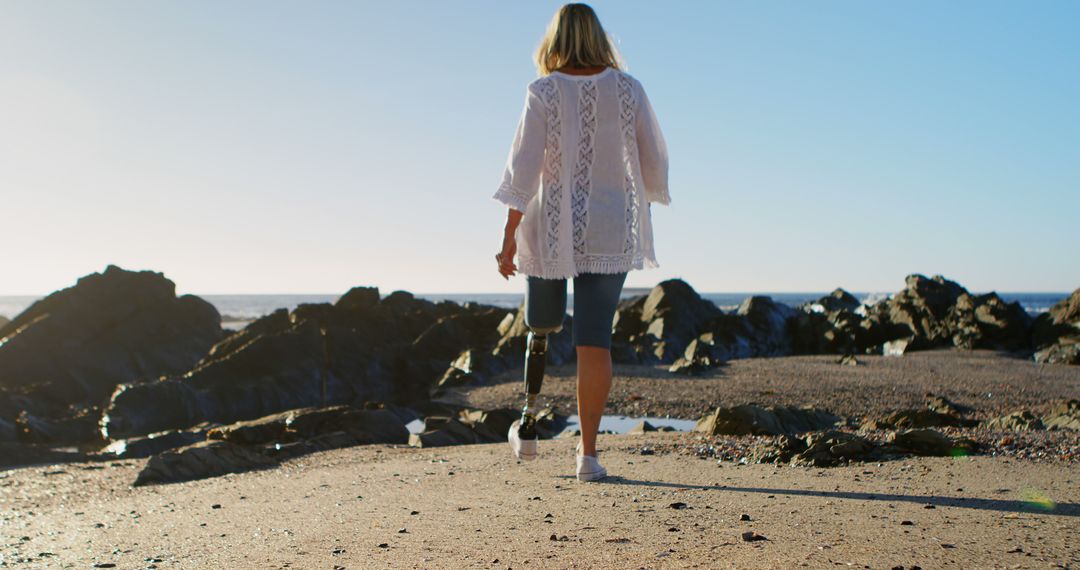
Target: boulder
{"x": 916, "y": 418}
{"x": 1065, "y": 415}
{"x": 642, "y": 427}
{"x": 985, "y": 321}
{"x": 510, "y": 348}
{"x": 201, "y": 460}
{"x": 780, "y": 449}
{"x": 78, "y": 427}
{"x": 943, "y": 405}
{"x": 358, "y": 349}
{"x": 1066, "y": 351}
{"x": 831, "y": 324}
{"x": 831, "y": 448}
{"x": 443, "y": 431}
{"x": 751, "y": 419}
{"x": 1059, "y": 325}
{"x": 76, "y": 345}
{"x": 1016, "y": 421}
{"x": 928, "y": 442}
{"x": 665, "y": 321}
{"x": 702, "y": 354}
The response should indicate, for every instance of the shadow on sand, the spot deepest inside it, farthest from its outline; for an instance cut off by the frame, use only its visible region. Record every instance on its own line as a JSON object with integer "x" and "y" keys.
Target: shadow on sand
{"x": 1000, "y": 505}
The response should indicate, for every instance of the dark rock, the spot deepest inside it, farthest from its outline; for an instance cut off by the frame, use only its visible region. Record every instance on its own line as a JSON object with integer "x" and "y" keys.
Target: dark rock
{"x": 510, "y": 347}
{"x": 201, "y": 460}
{"x": 751, "y": 536}
{"x": 917, "y": 418}
{"x": 17, "y": 454}
{"x": 985, "y": 321}
{"x": 830, "y": 448}
{"x": 1065, "y": 352}
{"x": 780, "y": 449}
{"x": 702, "y": 354}
{"x": 81, "y": 427}
{"x": 354, "y": 351}
{"x": 642, "y": 427}
{"x": 1019, "y": 421}
{"x": 673, "y": 314}
{"x": 943, "y": 405}
{"x": 147, "y": 445}
{"x": 751, "y": 419}
{"x": 363, "y": 426}
{"x": 1060, "y": 323}
{"x": 926, "y": 442}
{"x": 1065, "y": 415}
{"x": 76, "y": 345}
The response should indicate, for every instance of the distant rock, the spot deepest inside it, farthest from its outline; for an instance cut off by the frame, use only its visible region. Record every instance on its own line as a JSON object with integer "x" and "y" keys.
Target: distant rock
{"x": 69, "y": 351}
{"x": 936, "y": 312}
{"x": 751, "y": 419}
{"x": 1056, "y": 333}
{"x": 3, "y": 321}
{"x": 642, "y": 427}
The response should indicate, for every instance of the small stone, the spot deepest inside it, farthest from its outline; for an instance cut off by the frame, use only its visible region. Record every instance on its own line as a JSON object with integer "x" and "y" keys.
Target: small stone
{"x": 215, "y": 506}
{"x": 384, "y": 545}
{"x": 744, "y": 517}
{"x": 929, "y": 507}
{"x": 554, "y": 537}
{"x": 414, "y": 513}
{"x": 906, "y": 523}
{"x": 751, "y": 536}
{"x": 677, "y": 505}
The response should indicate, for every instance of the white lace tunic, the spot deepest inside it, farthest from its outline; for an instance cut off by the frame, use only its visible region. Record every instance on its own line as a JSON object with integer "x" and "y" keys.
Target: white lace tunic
{"x": 586, "y": 162}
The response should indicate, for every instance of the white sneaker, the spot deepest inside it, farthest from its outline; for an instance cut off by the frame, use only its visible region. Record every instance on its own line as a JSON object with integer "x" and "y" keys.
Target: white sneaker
{"x": 589, "y": 468}
{"x": 522, "y": 448}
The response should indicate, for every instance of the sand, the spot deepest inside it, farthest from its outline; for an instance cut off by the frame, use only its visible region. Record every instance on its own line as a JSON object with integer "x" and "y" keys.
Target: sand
{"x": 476, "y": 507}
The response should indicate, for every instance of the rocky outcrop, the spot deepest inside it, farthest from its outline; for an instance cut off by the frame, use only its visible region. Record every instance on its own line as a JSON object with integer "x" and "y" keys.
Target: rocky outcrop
{"x": 201, "y": 460}
{"x": 916, "y": 418}
{"x": 67, "y": 352}
{"x": 833, "y": 447}
{"x": 1017, "y": 421}
{"x": 1065, "y": 415}
{"x": 366, "y": 426}
{"x": 1056, "y": 333}
{"x": 657, "y": 328}
{"x": 481, "y": 426}
{"x": 751, "y": 419}
{"x": 359, "y": 349}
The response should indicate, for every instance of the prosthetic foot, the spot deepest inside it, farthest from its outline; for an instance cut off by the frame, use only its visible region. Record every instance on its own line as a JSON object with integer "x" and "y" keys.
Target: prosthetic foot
{"x": 522, "y": 436}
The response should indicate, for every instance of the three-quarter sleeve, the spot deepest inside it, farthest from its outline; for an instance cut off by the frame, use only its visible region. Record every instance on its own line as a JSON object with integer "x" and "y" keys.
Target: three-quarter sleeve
{"x": 652, "y": 151}
{"x": 525, "y": 162}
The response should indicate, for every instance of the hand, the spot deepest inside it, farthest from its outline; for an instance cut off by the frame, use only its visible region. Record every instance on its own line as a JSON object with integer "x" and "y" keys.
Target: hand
{"x": 505, "y": 258}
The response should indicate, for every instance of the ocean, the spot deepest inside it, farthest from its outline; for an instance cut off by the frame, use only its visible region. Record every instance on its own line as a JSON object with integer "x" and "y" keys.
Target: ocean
{"x": 238, "y": 310}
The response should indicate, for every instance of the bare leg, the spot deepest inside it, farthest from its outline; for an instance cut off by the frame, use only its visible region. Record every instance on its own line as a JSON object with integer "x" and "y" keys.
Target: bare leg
{"x": 593, "y": 385}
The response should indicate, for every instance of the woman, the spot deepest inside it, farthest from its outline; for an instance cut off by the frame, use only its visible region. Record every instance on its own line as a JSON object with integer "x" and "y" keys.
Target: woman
{"x": 586, "y": 162}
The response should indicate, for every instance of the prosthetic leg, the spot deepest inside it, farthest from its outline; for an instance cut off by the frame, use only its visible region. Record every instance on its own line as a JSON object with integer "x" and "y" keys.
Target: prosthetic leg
{"x": 523, "y": 436}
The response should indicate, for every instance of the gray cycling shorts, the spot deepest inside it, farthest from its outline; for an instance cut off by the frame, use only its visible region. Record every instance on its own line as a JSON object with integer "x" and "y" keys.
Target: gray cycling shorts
{"x": 596, "y": 297}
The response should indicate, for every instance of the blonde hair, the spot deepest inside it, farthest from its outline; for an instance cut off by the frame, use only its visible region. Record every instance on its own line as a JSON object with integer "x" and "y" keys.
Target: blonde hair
{"x": 575, "y": 38}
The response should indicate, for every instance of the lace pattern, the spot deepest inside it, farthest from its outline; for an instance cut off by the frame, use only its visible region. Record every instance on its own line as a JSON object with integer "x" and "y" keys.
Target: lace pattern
{"x": 579, "y": 194}
{"x": 627, "y": 103}
{"x": 552, "y": 165}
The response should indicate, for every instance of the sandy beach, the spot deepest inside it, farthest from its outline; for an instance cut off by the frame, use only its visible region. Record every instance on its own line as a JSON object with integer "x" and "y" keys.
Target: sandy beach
{"x": 673, "y": 500}
{"x": 475, "y": 507}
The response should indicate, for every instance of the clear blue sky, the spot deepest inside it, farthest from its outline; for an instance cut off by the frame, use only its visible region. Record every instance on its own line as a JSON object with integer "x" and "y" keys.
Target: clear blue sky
{"x": 286, "y": 147}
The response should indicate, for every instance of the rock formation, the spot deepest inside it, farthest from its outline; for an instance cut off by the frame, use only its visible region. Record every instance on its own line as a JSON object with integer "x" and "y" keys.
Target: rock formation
{"x": 358, "y": 349}
{"x": 1056, "y": 333}
{"x": 67, "y": 352}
